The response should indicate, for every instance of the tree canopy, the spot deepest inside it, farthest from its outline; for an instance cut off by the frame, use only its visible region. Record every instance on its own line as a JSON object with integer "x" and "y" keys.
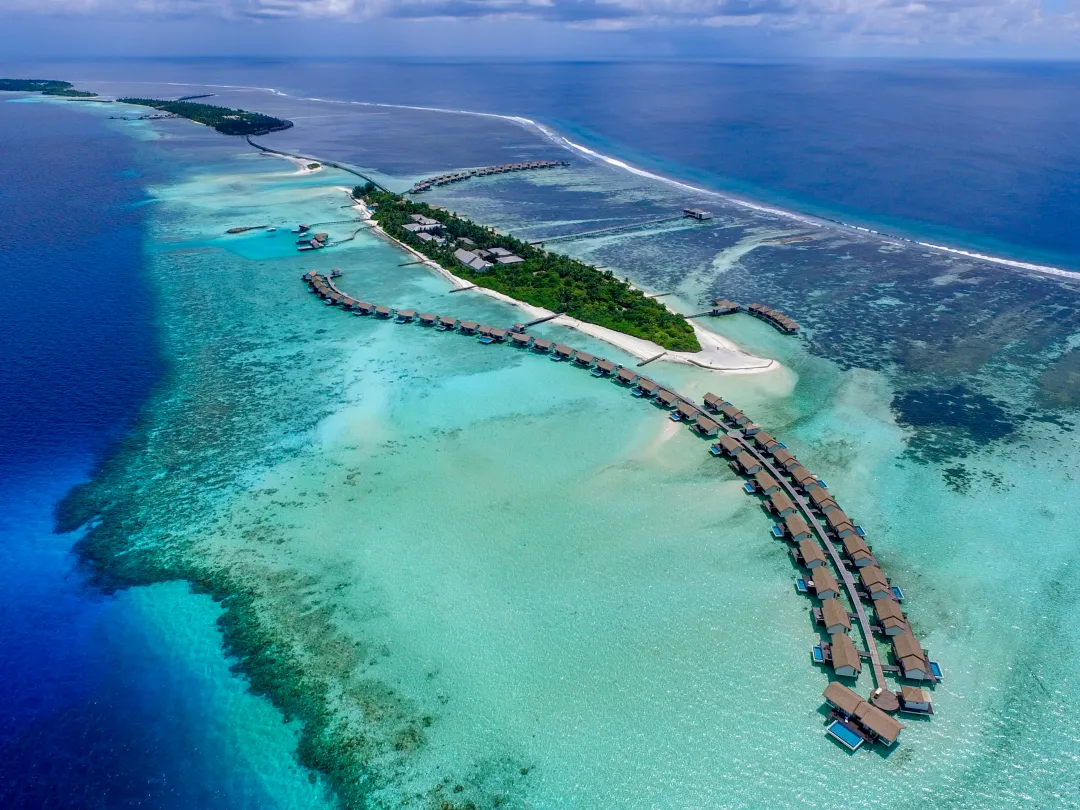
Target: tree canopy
{"x": 544, "y": 279}
{"x": 224, "y": 119}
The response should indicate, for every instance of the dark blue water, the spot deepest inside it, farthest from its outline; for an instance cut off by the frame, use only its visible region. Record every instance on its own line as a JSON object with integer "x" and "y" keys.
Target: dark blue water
{"x": 96, "y": 709}
{"x": 980, "y": 155}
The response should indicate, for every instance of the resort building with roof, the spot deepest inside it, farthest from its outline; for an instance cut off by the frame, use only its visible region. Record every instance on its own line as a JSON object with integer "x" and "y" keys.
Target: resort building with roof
{"x": 890, "y": 617}
{"x": 810, "y": 554}
{"x": 835, "y": 617}
{"x": 910, "y": 657}
{"x": 763, "y": 481}
{"x": 845, "y": 658}
{"x": 781, "y": 505}
{"x": 796, "y": 529}
{"x": 824, "y": 584}
{"x": 874, "y": 583}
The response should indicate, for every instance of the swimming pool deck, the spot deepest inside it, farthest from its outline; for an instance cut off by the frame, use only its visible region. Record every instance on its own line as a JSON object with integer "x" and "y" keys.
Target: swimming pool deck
{"x": 882, "y": 697}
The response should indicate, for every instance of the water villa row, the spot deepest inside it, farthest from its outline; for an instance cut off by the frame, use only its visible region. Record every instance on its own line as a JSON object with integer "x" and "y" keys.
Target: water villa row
{"x": 722, "y": 306}
{"x": 825, "y": 543}
{"x": 457, "y": 177}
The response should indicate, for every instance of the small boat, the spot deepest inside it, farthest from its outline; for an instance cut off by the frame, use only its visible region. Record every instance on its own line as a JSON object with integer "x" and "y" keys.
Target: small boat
{"x": 271, "y": 230}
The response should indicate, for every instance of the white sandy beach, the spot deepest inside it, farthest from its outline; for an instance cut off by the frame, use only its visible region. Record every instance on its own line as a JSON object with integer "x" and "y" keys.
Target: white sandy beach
{"x": 717, "y": 353}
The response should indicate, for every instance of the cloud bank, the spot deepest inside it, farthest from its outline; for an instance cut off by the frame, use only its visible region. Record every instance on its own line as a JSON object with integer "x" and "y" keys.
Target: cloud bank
{"x": 896, "y": 21}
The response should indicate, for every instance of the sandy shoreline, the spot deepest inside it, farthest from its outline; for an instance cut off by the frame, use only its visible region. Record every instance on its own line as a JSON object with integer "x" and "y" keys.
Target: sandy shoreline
{"x": 717, "y": 353}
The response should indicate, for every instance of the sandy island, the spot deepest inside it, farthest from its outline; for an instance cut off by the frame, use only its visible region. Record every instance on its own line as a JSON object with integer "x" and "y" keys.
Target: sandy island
{"x": 717, "y": 353}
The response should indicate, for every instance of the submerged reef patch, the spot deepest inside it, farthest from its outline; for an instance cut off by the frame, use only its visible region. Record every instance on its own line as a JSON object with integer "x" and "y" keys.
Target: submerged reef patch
{"x": 950, "y": 423}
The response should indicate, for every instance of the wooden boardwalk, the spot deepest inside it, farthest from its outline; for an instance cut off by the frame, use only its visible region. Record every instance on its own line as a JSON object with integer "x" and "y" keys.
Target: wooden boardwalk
{"x": 327, "y": 290}
{"x": 834, "y": 555}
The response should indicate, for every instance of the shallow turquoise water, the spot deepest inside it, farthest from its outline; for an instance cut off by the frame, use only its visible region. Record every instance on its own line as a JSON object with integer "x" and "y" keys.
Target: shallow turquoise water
{"x": 520, "y": 581}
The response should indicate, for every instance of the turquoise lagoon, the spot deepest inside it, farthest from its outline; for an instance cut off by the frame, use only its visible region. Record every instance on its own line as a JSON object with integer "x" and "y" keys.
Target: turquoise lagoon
{"x": 486, "y": 579}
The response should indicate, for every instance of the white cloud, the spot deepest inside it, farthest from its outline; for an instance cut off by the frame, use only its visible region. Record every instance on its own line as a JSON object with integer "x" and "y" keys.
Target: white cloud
{"x": 911, "y": 21}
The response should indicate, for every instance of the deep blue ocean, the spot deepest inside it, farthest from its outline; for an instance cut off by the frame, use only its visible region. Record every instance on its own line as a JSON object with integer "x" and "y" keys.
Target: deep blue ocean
{"x": 977, "y": 155}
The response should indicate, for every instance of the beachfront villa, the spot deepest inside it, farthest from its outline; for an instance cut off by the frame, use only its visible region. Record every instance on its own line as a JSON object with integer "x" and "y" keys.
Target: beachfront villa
{"x": 471, "y": 260}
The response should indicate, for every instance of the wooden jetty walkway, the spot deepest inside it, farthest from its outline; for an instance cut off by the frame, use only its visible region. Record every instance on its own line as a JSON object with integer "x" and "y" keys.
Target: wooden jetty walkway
{"x": 810, "y": 518}
{"x": 486, "y": 171}
{"x": 722, "y": 306}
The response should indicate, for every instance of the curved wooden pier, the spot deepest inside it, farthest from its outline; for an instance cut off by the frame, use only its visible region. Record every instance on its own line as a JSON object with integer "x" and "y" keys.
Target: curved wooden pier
{"x": 735, "y": 430}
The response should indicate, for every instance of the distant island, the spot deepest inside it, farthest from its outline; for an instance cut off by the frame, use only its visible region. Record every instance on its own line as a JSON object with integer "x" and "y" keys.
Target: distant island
{"x": 526, "y": 272}
{"x": 47, "y": 87}
{"x": 225, "y": 120}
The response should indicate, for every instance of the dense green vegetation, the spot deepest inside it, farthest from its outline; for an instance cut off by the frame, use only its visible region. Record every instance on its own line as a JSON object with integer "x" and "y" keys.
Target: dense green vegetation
{"x": 544, "y": 279}
{"x": 47, "y": 87}
{"x": 225, "y": 120}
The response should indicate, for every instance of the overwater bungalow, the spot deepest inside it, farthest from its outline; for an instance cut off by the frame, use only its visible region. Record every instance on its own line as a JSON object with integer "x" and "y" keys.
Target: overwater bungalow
{"x": 801, "y": 476}
{"x": 520, "y": 339}
{"x": 499, "y": 334}
{"x": 704, "y": 426}
{"x": 405, "y": 315}
{"x": 810, "y": 554}
{"x": 781, "y": 505}
{"x": 834, "y": 617}
{"x": 541, "y": 345}
{"x": 795, "y": 528}
{"x": 915, "y": 700}
{"x": 882, "y": 728}
{"x": 824, "y": 584}
{"x": 584, "y": 359}
{"x": 348, "y": 303}
{"x": 750, "y": 429}
{"x": 626, "y": 376}
{"x": 839, "y": 523}
{"x": 468, "y": 327}
{"x": 910, "y": 656}
{"x": 842, "y": 698}
{"x": 845, "y": 658}
{"x": 874, "y": 583}
{"x": 766, "y": 442}
{"x": 427, "y": 318}
{"x": 784, "y": 458}
{"x": 857, "y": 551}
{"x": 890, "y": 617}
{"x": 714, "y": 403}
{"x": 335, "y": 298}
{"x": 604, "y": 368}
{"x": 726, "y": 446}
{"x": 484, "y": 330}
{"x": 562, "y": 352}
{"x": 446, "y": 323}
{"x": 764, "y": 483}
{"x": 731, "y": 414}
{"x": 722, "y": 306}
{"x": 684, "y": 410}
{"x": 383, "y": 312}
{"x": 746, "y": 464}
{"x": 364, "y": 308}
{"x": 646, "y": 387}
{"x": 821, "y": 499}
{"x": 666, "y": 399}
{"x": 310, "y": 275}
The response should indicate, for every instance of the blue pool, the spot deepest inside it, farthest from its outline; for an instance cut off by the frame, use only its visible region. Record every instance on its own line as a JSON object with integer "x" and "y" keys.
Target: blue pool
{"x": 845, "y": 735}
{"x": 819, "y": 655}
{"x": 936, "y": 669}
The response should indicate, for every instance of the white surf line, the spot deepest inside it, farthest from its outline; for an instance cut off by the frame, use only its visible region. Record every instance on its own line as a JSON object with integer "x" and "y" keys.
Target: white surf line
{"x": 528, "y": 123}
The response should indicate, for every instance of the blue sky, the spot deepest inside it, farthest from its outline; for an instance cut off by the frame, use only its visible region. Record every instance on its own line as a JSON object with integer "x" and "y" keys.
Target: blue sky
{"x": 542, "y": 28}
